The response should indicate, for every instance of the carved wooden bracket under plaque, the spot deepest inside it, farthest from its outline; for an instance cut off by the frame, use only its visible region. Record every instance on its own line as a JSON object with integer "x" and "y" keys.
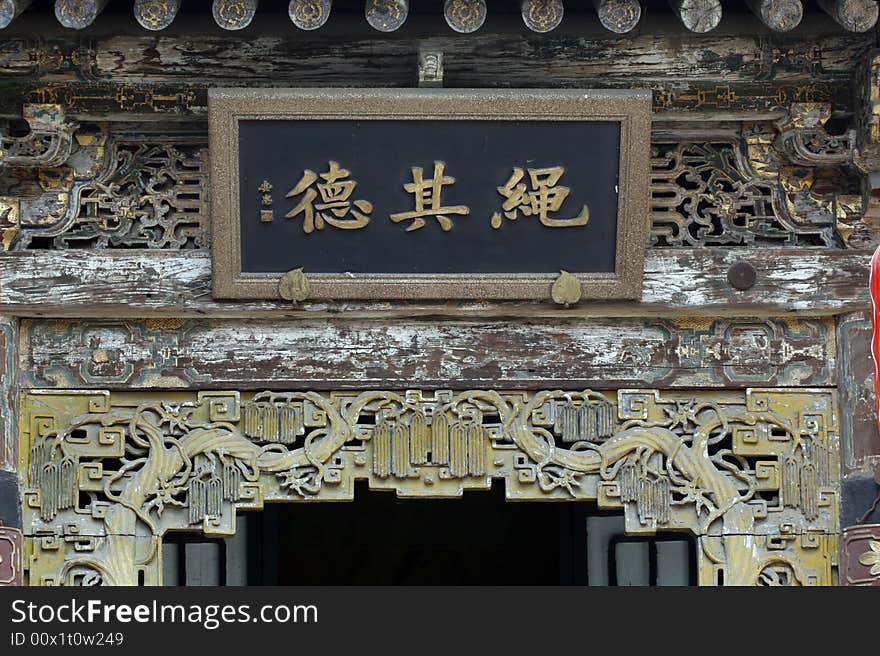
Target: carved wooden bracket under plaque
{"x": 429, "y": 193}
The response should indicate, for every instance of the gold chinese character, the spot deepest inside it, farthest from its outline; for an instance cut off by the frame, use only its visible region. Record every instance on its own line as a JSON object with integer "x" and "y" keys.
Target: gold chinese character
{"x": 427, "y": 198}
{"x": 335, "y": 206}
{"x": 544, "y": 198}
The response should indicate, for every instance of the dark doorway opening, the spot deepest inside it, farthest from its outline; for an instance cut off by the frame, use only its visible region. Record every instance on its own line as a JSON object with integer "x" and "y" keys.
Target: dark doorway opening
{"x": 479, "y": 539}
{"x": 379, "y": 539}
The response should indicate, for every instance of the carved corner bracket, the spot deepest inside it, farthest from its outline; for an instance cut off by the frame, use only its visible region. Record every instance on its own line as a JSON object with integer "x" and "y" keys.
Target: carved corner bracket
{"x": 816, "y": 183}
{"x": 47, "y": 144}
{"x": 753, "y": 474}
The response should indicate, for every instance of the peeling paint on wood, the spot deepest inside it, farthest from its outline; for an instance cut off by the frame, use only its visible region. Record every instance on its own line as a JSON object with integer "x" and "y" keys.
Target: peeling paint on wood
{"x": 326, "y": 354}
{"x": 693, "y": 282}
{"x": 8, "y": 368}
{"x": 860, "y": 440}
{"x": 138, "y": 76}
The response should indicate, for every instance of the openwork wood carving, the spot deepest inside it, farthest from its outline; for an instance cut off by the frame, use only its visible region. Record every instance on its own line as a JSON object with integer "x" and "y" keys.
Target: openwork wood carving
{"x": 128, "y": 193}
{"x": 788, "y": 187}
{"x": 754, "y": 475}
{"x": 782, "y": 188}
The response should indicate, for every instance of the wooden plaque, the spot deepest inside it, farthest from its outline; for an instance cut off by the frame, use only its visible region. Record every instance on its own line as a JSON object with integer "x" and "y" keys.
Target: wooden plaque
{"x": 429, "y": 194}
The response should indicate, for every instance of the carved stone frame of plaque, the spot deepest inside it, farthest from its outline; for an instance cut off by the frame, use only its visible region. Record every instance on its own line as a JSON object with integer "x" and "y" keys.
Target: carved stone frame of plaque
{"x": 630, "y": 108}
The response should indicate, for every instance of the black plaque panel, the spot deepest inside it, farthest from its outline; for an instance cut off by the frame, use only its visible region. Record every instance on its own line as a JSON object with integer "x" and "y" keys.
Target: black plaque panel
{"x": 479, "y": 155}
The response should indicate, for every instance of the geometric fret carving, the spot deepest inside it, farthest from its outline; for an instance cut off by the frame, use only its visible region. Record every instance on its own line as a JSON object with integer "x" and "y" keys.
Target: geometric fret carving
{"x": 753, "y": 474}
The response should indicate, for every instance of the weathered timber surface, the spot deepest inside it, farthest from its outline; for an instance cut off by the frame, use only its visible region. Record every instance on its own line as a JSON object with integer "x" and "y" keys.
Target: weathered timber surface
{"x": 694, "y": 282}
{"x": 8, "y": 369}
{"x": 161, "y": 74}
{"x": 337, "y": 353}
{"x": 484, "y": 56}
{"x": 859, "y": 435}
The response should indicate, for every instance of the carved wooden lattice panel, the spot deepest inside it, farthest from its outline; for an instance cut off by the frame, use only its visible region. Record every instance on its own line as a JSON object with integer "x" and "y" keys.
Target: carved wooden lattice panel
{"x": 753, "y": 474}
{"x": 119, "y": 192}
{"x": 755, "y": 186}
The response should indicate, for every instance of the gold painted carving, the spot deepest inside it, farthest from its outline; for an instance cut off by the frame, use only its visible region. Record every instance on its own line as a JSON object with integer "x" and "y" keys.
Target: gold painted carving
{"x": 753, "y": 474}
{"x": 566, "y": 290}
{"x": 48, "y": 142}
{"x": 544, "y": 197}
{"x": 10, "y": 210}
{"x": 465, "y": 16}
{"x": 335, "y": 206}
{"x": 871, "y": 558}
{"x": 156, "y": 14}
{"x": 309, "y": 14}
{"x": 542, "y": 15}
{"x": 294, "y": 286}
{"x": 427, "y": 199}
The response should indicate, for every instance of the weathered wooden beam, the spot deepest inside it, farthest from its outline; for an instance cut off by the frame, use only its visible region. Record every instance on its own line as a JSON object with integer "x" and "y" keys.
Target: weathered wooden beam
{"x": 155, "y": 15}
{"x": 152, "y": 77}
{"x": 309, "y": 14}
{"x": 465, "y": 16}
{"x": 698, "y": 15}
{"x": 10, "y": 9}
{"x": 681, "y": 281}
{"x": 852, "y": 15}
{"x": 78, "y": 14}
{"x": 542, "y": 15}
{"x": 859, "y": 437}
{"x": 8, "y": 391}
{"x": 363, "y": 353}
{"x": 386, "y": 15}
{"x": 234, "y": 14}
{"x": 674, "y": 98}
{"x": 619, "y": 16}
{"x": 778, "y": 15}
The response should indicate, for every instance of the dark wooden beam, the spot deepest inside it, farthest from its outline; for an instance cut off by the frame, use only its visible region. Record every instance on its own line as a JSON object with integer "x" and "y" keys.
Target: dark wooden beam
{"x": 154, "y": 77}
{"x": 679, "y": 281}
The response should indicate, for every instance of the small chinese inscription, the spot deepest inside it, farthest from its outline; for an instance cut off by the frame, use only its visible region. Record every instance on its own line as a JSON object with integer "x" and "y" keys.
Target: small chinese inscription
{"x": 266, "y": 215}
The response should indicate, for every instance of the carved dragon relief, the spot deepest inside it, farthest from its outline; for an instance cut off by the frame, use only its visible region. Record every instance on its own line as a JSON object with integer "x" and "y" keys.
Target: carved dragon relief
{"x": 753, "y": 474}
